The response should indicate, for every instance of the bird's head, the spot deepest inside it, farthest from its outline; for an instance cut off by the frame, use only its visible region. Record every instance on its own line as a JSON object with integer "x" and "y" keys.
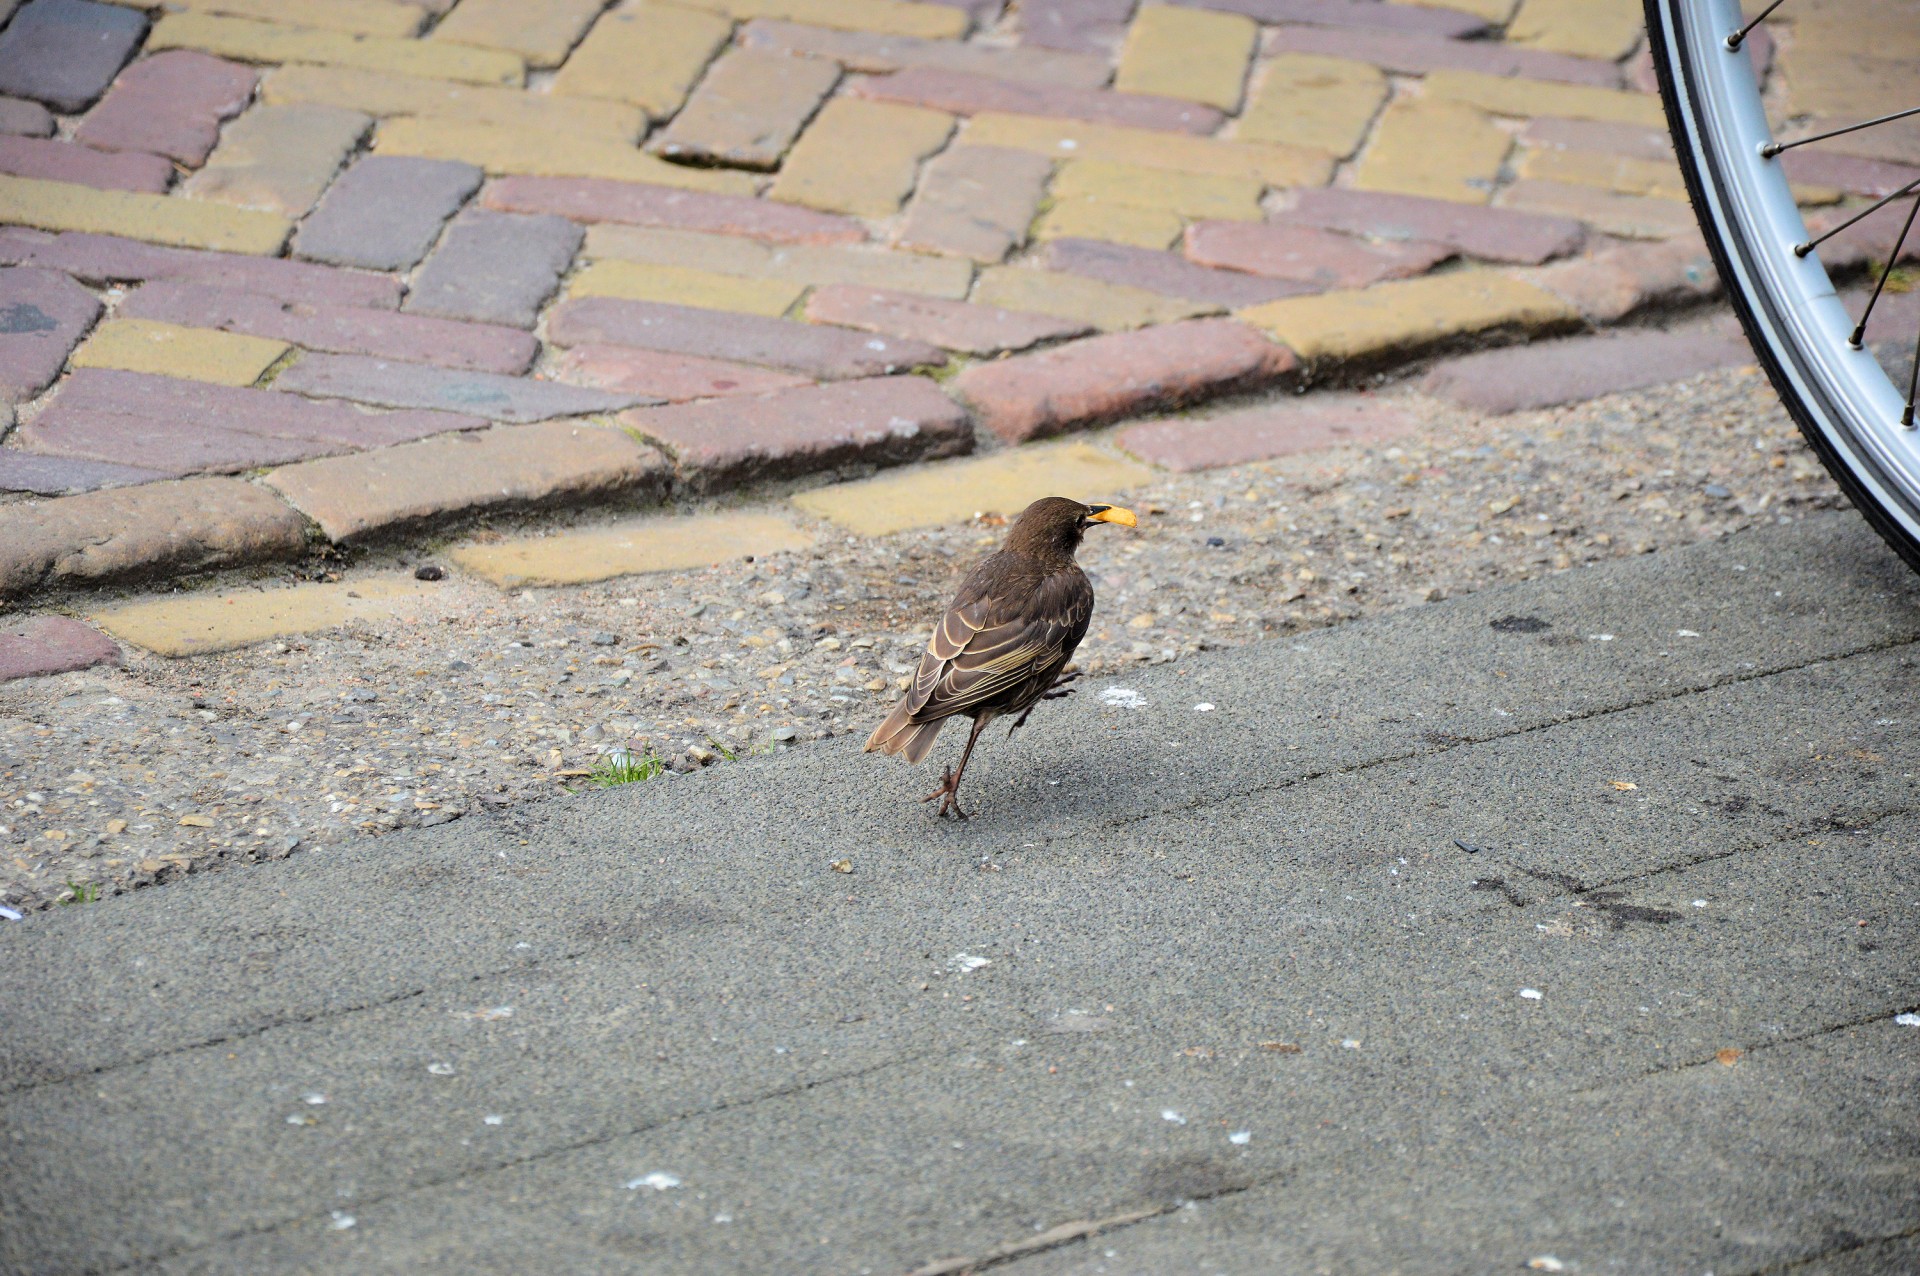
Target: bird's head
{"x": 1054, "y": 525}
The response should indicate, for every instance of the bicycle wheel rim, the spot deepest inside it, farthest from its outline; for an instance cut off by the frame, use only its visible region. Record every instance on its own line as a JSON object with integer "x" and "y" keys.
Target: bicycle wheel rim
{"x": 1841, "y": 397}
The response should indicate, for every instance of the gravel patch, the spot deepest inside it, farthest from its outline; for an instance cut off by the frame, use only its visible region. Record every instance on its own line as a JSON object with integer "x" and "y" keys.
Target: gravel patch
{"x": 114, "y": 778}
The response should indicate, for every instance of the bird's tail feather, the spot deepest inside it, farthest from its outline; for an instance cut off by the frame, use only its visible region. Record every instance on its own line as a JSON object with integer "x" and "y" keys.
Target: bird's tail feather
{"x": 899, "y": 734}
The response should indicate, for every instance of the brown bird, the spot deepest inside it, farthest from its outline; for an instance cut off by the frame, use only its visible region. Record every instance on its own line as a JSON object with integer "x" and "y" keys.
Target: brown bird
{"x": 1004, "y": 640}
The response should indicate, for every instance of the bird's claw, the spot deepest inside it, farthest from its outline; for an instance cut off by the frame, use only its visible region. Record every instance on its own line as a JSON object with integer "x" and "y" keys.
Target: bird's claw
{"x": 949, "y": 792}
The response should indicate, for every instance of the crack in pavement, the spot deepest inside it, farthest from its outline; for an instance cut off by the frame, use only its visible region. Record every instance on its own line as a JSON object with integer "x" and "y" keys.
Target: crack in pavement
{"x": 530, "y": 1158}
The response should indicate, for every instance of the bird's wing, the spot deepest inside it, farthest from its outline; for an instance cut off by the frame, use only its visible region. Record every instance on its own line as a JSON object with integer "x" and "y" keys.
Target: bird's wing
{"x": 985, "y": 646}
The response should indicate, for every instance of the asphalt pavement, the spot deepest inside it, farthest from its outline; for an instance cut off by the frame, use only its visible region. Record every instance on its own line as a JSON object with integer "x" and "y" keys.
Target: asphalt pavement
{"x": 1569, "y": 924}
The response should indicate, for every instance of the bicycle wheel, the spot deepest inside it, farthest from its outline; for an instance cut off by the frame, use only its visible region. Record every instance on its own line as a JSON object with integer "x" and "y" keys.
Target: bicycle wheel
{"x": 1852, "y": 413}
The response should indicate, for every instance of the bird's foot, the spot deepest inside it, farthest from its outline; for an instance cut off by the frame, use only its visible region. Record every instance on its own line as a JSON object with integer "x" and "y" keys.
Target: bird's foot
{"x": 1060, "y": 688}
{"x": 949, "y": 793}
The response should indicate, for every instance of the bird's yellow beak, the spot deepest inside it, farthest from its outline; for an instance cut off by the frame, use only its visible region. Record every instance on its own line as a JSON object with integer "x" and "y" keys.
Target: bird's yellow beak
{"x": 1113, "y": 514}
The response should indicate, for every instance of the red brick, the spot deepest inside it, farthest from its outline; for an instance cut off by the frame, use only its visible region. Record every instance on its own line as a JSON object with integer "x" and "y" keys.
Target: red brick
{"x": 183, "y": 409}
{"x": 1620, "y": 278}
{"x": 879, "y": 421}
{"x": 66, "y": 52}
{"x": 960, "y": 94}
{"x": 64, "y": 162}
{"x": 1364, "y": 14}
{"x": 34, "y": 646}
{"x": 1258, "y": 434}
{"x": 954, "y": 325}
{"x": 590, "y": 199}
{"x": 43, "y": 315}
{"x": 1103, "y": 378}
{"x": 1555, "y": 372}
{"x": 1166, "y": 273}
{"x": 1418, "y": 54}
{"x": 157, "y": 529}
{"x": 22, "y": 471}
{"x": 867, "y": 51}
{"x": 1076, "y": 26}
{"x": 975, "y": 201}
{"x": 169, "y": 104}
{"x": 1495, "y": 234}
{"x": 161, "y": 445}
{"x": 828, "y": 354}
{"x": 1307, "y": 255}
{"x": 673, "y": 377}
{"x": 1849, "y": 172}
{"x": 412, "y": 385}
{"x": 448, "y": 343}
{"x": 25, "y": 119}
{"x": 108, "y": 259}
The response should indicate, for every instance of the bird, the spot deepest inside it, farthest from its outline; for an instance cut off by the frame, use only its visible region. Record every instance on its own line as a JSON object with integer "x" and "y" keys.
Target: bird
{"x": 1005, "y": 639}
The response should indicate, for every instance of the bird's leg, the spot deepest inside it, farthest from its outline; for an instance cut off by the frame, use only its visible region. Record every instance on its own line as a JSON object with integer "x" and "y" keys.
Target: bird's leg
{"x": 1058, "y": 691}
{"x": 949, "y": 790}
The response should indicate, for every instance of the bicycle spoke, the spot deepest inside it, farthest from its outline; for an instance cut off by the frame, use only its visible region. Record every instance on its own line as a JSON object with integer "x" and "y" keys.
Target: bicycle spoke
{"x": 1913, "y": 383}
{"x": 1801, "y": 250}
{"x": 1772, "y": 149}
{"x": 1860, "y": 330}
{"x": 1735, "y": 40}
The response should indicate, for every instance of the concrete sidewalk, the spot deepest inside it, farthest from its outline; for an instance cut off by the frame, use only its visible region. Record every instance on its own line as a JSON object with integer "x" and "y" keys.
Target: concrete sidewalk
{"x": 1196, "y": 990}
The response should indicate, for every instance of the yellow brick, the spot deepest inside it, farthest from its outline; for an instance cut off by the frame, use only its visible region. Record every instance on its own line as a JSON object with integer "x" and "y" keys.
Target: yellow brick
{"x": 158, "y": 219}
{"x": 1109, "y": 307}
{"x": 168, "y": 350}
{"x": 1115, "y": 223}
{"x": 1511, "y": 95}
{"x": 1628, "y": 216}
{"x": 507, "y": 150}
{"x": 1189, "y": 194}
{"x": 685, "y": 286}
{"x": 1407, "y": 314}
{"x": 199, "y": 623}
{"x": 1605, "y": 29}
{"x": 799, "y": 263}
{"x": 1442, "y": 150}
{"x": 383, "y": 94}
{"x": 1494, "y": 11}
{"x": 1302, "y": 99}
{"x": 952, "y": 493}
{"x": 1195, "y": 55}
{"x": 628, "y": 549}
{"x": 355, "y": 17}
{"x": 883, "y": 17}
{"x": 542, "y": 32}
{"x": 279, "y": 157}
{"x": 1627, "y": 174}
{"x": 1150, "y": 148}
{"x": 860, "y": 157}
{"x": 647, "y": 55}
{"x": 247, "y": 41}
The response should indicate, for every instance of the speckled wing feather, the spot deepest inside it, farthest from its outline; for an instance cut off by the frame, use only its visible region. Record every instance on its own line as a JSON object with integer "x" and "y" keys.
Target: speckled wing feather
{"x": 1001, "y": 649}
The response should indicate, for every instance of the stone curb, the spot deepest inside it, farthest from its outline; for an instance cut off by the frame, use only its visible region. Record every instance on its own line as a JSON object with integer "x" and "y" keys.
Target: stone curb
{"x": 184, "y": 526}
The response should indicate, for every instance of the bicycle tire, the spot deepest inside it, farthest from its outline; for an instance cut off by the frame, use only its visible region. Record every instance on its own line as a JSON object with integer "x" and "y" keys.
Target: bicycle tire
{"x": 1839, "y": 396}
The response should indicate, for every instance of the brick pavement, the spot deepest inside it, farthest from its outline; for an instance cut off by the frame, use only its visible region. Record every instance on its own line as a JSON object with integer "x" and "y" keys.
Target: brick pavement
{"x": 385, "y": 266}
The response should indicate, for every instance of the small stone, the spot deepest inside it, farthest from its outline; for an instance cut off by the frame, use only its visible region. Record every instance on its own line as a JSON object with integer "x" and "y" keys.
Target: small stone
{"x": 782, "y": 735}
{"x": 429, "y": 571}
{"x": 604, "y": 640}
